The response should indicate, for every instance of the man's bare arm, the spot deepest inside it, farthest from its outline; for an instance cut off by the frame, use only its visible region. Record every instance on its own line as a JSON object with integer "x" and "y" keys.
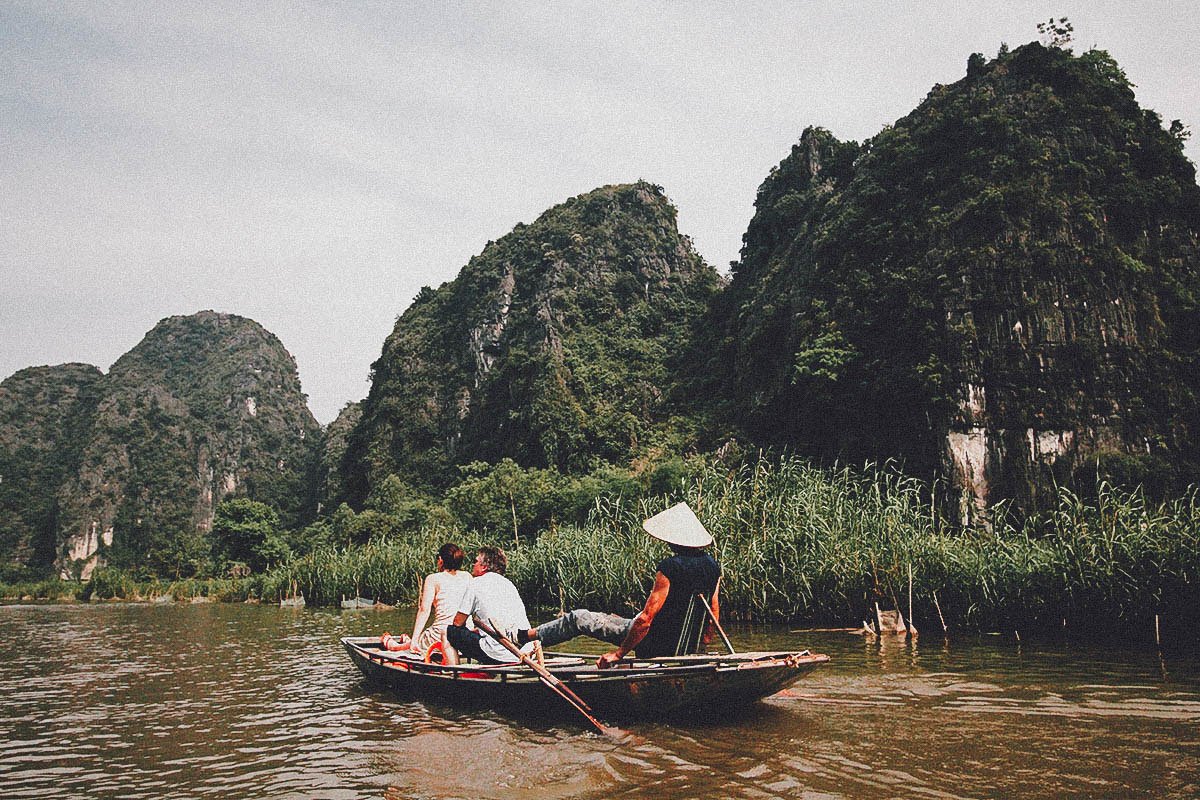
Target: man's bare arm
{"x": 641, "y": 623}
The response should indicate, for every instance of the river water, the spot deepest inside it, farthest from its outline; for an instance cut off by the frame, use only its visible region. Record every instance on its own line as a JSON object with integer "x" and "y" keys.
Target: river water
{"x": 141, "y": 701}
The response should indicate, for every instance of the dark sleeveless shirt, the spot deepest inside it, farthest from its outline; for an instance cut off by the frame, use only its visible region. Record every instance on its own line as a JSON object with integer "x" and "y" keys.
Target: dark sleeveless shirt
{"x": 689, "y": 573}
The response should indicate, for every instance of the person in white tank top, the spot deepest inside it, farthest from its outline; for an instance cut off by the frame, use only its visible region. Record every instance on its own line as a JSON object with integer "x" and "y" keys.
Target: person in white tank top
{"x": 441, "y": 594}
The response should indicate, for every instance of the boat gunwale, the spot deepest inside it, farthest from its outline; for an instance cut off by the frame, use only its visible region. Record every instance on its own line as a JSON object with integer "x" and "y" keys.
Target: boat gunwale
{"x": 582, "y": 667}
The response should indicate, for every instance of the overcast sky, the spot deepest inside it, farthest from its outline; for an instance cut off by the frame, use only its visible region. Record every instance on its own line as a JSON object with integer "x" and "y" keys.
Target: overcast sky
{"x": 312, "y": 166}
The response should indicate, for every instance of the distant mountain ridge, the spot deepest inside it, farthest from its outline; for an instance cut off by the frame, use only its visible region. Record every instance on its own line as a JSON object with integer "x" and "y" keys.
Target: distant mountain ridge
{"x": 1001, "y": 291}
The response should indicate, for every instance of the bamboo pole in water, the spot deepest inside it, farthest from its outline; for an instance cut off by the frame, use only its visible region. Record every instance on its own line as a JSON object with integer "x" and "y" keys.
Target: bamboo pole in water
{"x": 939, "y": 610}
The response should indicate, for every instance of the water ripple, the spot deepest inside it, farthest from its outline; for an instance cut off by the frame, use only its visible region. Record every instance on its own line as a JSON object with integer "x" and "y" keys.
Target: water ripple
{"x": 232, "y": 701}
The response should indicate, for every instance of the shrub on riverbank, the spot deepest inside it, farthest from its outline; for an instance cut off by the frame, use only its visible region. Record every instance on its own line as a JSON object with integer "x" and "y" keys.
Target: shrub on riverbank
{"x": 50, "y": 589}
{"x": 114, "y": 584}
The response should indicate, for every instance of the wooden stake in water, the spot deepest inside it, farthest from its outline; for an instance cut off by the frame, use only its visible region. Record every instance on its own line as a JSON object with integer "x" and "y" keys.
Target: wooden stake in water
{"x": 911, "y": 625}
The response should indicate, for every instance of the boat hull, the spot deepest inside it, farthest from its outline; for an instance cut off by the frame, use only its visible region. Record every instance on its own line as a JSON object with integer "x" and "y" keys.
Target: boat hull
{"x": 682, "y": 686}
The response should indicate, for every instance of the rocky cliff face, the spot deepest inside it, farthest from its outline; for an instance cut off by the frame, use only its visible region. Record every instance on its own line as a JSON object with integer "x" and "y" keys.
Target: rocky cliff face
{"x": 551, "y": 346}
{"x": 205, "y": 407}
{"x": 45, "y": 413}
{"x": 1001, "y": 287}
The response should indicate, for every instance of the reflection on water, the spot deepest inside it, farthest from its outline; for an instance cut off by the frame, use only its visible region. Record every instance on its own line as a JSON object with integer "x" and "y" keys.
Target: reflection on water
{"x": 242, "y": 701}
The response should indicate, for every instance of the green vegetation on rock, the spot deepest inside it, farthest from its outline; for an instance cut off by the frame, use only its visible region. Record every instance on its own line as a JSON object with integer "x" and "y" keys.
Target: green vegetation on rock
{"x": 998, "y": 294}
{"x": 552, "y": 347}
{"x": 131, "y": 465}
{"x": 1017, "y": 256}
{"x": 206, "y": 407}
{"x": 45, "y": 414}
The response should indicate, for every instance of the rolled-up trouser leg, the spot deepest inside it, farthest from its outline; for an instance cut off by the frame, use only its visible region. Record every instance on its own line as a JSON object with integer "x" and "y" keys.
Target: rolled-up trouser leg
{"x": 581, "y": 622}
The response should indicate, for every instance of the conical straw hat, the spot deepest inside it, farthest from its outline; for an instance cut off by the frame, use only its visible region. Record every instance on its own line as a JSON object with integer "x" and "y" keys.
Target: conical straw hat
{"x": 678, "y": 525}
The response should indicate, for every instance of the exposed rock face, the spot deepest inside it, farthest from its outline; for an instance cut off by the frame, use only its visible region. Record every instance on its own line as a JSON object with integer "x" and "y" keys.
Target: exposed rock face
{"x": 550, "y": 347}
{"x": 44, "y": 417}
{"x": 205, "y": 407}
{"x": 1001, "y": 287}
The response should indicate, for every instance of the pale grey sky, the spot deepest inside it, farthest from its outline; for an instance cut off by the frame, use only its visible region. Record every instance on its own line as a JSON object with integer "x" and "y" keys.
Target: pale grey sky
{"x": 311, "y": 166}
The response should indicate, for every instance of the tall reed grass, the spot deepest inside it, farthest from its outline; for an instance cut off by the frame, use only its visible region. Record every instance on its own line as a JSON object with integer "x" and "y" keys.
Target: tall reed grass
{"x": 803, "y": 544}
{"x": 387, "y": 570}
{"x": 797, "y": 544}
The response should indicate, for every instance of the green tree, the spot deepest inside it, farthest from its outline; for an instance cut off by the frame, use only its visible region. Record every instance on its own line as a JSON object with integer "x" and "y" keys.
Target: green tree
{"x": 406, "y": 506}
{"x": 1056, "y": 33}
{"x": 247, "y": 531}
{"x": 505, "y": 497}
{"x": 391, "y": 495}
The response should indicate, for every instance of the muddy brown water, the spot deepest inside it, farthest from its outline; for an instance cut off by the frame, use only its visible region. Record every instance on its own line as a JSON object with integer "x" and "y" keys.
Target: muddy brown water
{"x": 142, "y": 701}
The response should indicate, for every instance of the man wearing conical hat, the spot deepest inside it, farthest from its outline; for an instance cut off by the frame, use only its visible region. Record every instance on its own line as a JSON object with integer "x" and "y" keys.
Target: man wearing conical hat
{"x": 658, "y": 628}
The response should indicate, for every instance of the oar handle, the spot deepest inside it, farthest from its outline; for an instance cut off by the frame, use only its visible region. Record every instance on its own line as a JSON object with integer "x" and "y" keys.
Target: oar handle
{"x": 546, "y": 677}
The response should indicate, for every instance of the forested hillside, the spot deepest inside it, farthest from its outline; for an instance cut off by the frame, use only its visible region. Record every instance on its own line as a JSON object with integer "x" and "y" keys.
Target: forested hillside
{"x": 552, "y": 347}
{"x": 998, "y": 293}
{"x": 127, "y": 468}
{"x": 336, "y": 440}
{"x": 1000, "y": 288}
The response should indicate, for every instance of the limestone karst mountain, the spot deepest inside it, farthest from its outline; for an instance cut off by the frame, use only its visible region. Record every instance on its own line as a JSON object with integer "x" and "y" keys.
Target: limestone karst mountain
{"x": 1001, "y": 288}
{"x": 207, "y": 406}
{"x": 45, "y": 414}
{"x": 552, "y": 347}
{"x": 1000, "y": 291}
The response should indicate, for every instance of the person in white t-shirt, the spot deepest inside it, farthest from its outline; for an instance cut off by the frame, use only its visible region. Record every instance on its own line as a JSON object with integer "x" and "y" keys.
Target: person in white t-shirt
{"x": 441, "y": 595}
{"x": 492, "y": 599}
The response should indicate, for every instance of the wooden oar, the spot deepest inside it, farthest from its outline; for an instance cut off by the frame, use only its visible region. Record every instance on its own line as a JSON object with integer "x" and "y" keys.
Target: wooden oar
{"x": 713, "y": 617}
{"x": 544, "y": 675}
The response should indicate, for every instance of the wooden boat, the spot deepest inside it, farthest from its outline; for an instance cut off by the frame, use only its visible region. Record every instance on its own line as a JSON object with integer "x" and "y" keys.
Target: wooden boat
{"x": 669, "y": 686}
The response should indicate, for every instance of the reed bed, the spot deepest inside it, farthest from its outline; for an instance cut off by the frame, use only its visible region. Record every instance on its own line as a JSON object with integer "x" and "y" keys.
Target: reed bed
{"x": 53, "y": 589}
{"x": 797, "y": 544}
{"x": 387, "y": 570}
{"x": 606, "y": 564}
{"x": 115, "y": 584}
{"x": 801, "y": 544}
